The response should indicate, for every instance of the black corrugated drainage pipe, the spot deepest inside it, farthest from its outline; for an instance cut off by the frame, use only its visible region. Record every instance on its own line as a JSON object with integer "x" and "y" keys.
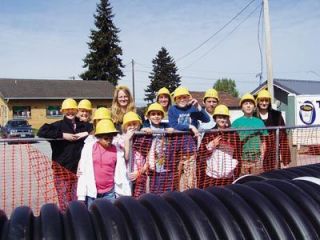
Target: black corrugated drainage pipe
{"x": 256, "y": 209}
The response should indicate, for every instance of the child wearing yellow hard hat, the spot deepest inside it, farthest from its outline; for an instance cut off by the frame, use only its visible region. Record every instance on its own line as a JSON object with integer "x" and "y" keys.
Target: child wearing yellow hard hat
{"x": 97, "y": 165}
{"x": 222, "y": 152}
{"x": 154, "y": 116}
{"x": 66, "y": 152}
{"x": 254, "y": 141}
{"x": 137, "y": 167}
{"x": 84, "y": 110}
{"x": 164, "y": 99}
{"x": 70, "y": 134}
{"x": 210, "y": 101}
{"x": 100, "y": 114}
{"x": 185, "y": 116}
{"x": 272, "y": 118}
{"x": 160, "y": 166}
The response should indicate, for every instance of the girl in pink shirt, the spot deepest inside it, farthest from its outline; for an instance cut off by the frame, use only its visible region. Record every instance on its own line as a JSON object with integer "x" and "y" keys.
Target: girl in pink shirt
{"x": 97, "y": 164}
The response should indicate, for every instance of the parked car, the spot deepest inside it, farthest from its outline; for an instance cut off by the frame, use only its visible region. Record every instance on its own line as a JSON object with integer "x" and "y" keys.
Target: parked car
{"x": 17, "y": 128}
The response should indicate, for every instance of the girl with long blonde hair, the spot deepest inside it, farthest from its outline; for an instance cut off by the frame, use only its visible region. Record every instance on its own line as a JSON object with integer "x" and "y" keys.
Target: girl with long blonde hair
{"x": 121, "y": 104}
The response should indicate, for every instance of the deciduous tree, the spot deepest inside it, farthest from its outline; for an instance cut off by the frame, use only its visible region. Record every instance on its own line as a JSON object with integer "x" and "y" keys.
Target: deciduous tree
{"x": 226, "y": 85}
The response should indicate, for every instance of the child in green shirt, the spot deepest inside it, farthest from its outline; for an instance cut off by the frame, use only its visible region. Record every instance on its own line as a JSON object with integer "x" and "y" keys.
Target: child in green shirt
{"x": 253, "y": 150}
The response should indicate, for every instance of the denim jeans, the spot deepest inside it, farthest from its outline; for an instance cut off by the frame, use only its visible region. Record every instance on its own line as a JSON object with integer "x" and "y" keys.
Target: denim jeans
{"x": 111, "y": 196}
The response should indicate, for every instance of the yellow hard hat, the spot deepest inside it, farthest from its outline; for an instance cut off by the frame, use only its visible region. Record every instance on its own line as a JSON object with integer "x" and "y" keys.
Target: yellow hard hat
{"x": 102, "y": 113}
{"x": 221, "y": 110}
{"x": 163, "y": 90}
{"x": 180, "y": 91}
{"x": 155, "y": 107}
{"x": 264, "y": 94}
{"x": 211, "y": 93}
{"x": 122, "y": 87}
{"x": 105, "y": 126}
{"x": 85, "y": 104}
{"x": 69, "y": 103}
{"x": 131, "y": 117}
{"x": 247, "y": 96}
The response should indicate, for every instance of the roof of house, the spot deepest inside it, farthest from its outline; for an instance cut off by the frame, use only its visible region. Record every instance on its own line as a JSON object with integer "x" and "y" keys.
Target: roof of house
{"x": 225, "y": 98}
{"x": 298, "y": 87}
{"x": 54, "y": 89}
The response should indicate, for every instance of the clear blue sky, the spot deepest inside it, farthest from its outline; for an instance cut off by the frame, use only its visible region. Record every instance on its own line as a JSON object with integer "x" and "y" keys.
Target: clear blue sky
{"x": 47, "y": 39}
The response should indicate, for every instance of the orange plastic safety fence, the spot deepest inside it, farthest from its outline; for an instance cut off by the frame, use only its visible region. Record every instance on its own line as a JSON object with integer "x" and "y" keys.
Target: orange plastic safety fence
{"x": 176, "y": 162}
{"x": 162, "y": 162}
{"x": 57, "y": 183}
{"x": 305, "y": 144}
{"x": 19, "y": 186}
{"x": 27, "y": 177}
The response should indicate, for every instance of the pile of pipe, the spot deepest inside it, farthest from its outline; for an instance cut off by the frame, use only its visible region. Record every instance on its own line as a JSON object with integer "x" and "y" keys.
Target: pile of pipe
{"x": 282, "y": 204}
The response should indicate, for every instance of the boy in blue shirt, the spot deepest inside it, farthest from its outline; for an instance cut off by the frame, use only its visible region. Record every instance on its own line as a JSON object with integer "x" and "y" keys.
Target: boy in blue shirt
{"x": 184, "y": 116}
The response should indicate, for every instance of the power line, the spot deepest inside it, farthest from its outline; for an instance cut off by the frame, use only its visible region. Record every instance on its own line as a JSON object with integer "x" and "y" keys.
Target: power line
{"x": 213, "y": 35}
{"x": 228, "y": 35}
{"x": 209, "y": 78}
{"x": 313, "y": 72}
{"x": 143, "y": 71}
{"x": 143, "y": 65}
{"x": 127, "y": 64}
{"x": 234, "y": 73}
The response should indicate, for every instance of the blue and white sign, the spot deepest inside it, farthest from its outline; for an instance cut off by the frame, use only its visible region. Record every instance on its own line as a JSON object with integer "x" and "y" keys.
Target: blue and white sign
{"x": 307, "y": 109}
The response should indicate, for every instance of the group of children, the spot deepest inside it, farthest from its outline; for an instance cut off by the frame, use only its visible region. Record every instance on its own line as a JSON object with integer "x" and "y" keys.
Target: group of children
{"x": 117, "y": 162}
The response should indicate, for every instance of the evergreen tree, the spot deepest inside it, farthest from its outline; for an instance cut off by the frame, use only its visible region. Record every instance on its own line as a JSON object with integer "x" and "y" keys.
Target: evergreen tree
{"x": 226, "y": 85}
{"x": 164, "y": 74}
{"x": 103, "y": 62}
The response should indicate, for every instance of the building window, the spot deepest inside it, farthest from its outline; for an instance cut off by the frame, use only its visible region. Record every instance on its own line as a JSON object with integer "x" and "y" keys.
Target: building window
{"x": 53, "y": 111}
{"x": 21, "y": 111}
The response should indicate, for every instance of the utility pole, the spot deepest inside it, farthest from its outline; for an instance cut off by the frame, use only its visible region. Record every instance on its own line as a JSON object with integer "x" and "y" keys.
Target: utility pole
{"x": 133, "y": 91}
{"x": 268, "y": 47}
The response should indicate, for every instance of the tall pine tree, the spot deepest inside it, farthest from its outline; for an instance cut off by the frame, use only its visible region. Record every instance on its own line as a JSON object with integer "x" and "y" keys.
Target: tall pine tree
{"x": 103, "y": 62}
{"x": 164, "y": 74}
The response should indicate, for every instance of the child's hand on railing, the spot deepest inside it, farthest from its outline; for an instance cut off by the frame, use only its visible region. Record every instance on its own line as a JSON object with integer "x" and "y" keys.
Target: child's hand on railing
{"x": 194, "y": 130}
{"x": 128, "y": 135}
{"x": 147, "y": 130}
{"x": 169, "y": 130}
